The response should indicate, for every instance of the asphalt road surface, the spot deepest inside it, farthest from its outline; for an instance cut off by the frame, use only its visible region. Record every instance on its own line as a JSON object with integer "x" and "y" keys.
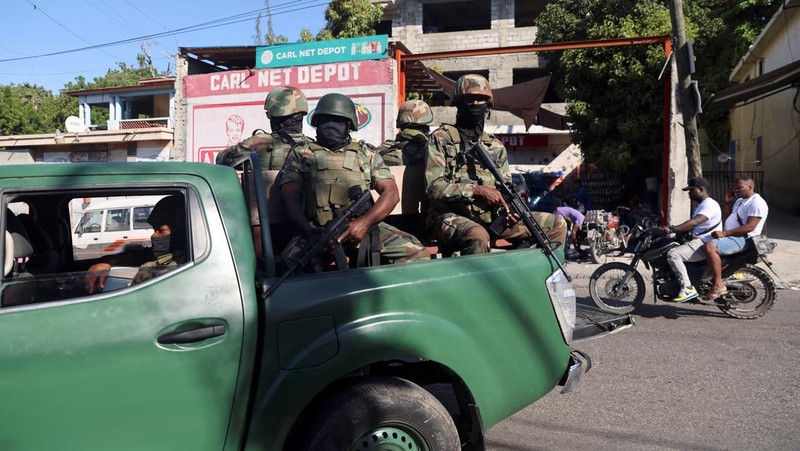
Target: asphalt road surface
{"x": 684, "y": 377}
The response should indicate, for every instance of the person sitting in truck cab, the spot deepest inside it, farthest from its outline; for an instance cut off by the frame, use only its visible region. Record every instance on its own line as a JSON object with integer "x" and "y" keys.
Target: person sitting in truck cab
{"x": 410, "y": 146}
{"x": 285, "y": 107}
{"x": 167, "y": 251}
{"x": 316, "y": 179}
{"x": 464, "y": 200}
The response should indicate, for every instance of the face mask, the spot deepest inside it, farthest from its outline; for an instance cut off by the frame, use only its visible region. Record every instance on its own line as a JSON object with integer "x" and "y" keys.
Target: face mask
{"x": 333, "y": 134}
{"x": 289, "y": 124}
{"x": 473, "y": 114}
{"x": 160, "y": 245}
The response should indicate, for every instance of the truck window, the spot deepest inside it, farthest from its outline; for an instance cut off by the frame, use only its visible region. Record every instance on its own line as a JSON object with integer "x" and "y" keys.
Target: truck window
{"x": 40, "y": 266}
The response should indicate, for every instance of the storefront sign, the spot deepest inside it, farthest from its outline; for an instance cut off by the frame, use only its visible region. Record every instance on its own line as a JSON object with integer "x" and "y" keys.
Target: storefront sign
{"x": 329, "y": 76}
{"x": 320, "y": 52}
{"x": 527, "y": 140}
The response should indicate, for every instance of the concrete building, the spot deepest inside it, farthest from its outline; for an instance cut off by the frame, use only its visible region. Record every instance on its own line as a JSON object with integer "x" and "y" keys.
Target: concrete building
{"x": 427, "y": 26}
{"x": 139, "y": 128}
{"x": 764, "y": 111}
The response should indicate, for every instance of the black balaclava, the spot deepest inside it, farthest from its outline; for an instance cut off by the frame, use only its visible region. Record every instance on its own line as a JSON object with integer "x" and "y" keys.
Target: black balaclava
{"x": 333, "y": 132}
{"x": 289, "y": 124}
{"x": 160, "y": 245}
{"x": 470, "y": 119}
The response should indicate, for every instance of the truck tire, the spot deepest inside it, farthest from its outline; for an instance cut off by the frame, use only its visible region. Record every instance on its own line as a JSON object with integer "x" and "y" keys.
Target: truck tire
{"x": 381, "y": 413}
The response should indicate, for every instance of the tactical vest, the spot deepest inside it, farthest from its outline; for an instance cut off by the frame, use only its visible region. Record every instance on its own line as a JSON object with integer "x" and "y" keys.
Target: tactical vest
{"x": 330, "y": 176}
{"x": 461, "y": 169}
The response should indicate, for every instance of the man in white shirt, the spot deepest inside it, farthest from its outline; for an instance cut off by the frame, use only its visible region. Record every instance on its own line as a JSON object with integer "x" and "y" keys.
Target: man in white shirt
{"x": 707, "y": 217}
{"x": 746, "y": 219}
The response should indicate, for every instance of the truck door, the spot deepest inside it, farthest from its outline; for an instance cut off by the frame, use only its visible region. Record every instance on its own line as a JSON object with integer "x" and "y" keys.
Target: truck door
{"x": 141, "y": 366}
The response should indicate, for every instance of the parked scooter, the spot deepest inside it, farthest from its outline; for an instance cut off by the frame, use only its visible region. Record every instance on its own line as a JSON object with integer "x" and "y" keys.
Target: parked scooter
{"x": 619, "y": 287}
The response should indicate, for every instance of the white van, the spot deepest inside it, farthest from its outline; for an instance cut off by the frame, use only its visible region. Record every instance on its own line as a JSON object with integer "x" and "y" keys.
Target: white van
{"x": 110, "y": 225}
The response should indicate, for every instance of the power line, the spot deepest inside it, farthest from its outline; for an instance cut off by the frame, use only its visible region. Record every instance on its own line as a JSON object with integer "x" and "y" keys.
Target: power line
{"x": 230, "y": 20}
{"x": 35, "y": 7}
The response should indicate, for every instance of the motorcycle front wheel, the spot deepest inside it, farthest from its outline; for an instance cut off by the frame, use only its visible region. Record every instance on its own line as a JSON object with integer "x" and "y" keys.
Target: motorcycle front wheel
{"x": 617, "y": 287}
{"x": 751, "y": 293}
{"x": 597, "y": 245}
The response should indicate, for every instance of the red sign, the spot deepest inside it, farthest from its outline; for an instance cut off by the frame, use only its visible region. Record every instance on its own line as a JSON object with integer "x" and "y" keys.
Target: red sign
{"x": 526, "y": 140}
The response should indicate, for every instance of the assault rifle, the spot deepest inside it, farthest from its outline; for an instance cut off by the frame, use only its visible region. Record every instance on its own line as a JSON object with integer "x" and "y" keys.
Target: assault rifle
{"x": 515, "y": 204}
{"x": 330, "y": 233}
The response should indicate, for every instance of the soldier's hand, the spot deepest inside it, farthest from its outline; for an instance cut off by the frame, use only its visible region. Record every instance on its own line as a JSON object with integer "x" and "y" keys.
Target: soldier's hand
{"x": 492, "y": 196}
{"x": 512, "y": 219}
{"x": 96, "y": 277}
{"x": 355, "y": 231}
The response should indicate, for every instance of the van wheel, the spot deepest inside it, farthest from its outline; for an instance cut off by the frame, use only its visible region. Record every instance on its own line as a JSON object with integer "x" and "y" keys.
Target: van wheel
{"x": 381, "y": 413}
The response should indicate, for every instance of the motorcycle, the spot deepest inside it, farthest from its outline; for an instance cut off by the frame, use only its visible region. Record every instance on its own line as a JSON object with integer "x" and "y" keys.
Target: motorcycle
{"x": 604, "y": 233}
{"x": 620, "y": 288}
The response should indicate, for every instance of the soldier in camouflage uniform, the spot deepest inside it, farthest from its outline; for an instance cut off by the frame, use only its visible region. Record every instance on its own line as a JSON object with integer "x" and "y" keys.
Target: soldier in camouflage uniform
{"x": 285, "y": 106}
{"x": 462, "y": 194}
{"x": 167, "y": 251}
{"x": 410, "y": 146}
{"x": 315, "y": 181}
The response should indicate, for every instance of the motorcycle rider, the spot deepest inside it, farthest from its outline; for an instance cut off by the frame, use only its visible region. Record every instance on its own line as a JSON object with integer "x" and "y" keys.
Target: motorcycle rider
{"x": 707, "y": 217}
{"x": 746, "y": 219}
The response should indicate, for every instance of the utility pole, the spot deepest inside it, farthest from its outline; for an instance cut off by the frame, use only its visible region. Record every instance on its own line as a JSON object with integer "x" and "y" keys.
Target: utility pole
{"x": 686, "y": 97}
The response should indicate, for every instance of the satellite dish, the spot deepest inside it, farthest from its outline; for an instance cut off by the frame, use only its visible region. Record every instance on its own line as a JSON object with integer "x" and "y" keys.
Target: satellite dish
{"x": 75, "y": 125}
{"x": 723, "y": 158}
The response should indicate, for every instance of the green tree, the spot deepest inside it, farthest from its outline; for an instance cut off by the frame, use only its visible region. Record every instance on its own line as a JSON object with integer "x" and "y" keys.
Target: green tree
{"x": 614, "y": 97}
{"x": 613, "y": 94}
{"x": 351, "y": 18}
{"x": 31, "y": 109}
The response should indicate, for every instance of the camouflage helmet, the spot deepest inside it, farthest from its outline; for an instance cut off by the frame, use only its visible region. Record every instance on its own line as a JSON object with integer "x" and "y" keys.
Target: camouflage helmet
{"x": 414, "y": 112}
{"x": 471, "y": 84}
{"x": 336, "y": 105}
{"x": 285, "y": 101}
{"x": 170, "y": 211}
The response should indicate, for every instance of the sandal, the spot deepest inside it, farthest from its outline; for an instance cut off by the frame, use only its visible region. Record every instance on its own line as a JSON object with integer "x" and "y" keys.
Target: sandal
{"x": 715, "y": 293}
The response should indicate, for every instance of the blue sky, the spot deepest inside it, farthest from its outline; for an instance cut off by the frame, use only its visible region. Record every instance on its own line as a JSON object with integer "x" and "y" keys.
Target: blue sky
{"x": 64, "y": 25}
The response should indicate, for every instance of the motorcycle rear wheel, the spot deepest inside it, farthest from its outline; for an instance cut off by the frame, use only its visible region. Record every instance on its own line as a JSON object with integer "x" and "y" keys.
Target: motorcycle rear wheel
{"x": 609, "y": 295}
{"x": 751, "y": 293}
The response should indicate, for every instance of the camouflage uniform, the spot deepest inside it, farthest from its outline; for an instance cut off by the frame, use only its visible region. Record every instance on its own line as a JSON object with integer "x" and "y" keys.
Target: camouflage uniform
{"x": 326, "y": 176}
{"x": 457, "y": 219}
{"x": 272, "y": 148}
{"x": 157, "y": 267}
{"x": 410, "y": 146}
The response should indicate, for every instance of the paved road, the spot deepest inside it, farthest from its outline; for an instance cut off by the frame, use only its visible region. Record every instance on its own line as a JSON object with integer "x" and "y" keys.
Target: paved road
{"x": 685, "y": 377}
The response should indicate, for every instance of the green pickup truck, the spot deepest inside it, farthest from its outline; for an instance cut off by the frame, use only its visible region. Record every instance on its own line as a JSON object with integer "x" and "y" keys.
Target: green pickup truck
{"x": 419, "y": 356}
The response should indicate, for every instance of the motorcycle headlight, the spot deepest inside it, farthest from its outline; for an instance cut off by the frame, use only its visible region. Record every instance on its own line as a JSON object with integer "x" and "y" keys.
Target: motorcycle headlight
{"x": 562, "y": 296}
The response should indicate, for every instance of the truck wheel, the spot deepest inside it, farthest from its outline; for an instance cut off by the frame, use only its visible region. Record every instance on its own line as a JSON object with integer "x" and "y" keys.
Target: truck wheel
{"x": 381, "y": 413}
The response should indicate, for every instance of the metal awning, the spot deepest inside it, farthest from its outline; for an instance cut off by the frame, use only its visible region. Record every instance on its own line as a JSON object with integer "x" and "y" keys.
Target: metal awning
{"x": 770, "y": 83}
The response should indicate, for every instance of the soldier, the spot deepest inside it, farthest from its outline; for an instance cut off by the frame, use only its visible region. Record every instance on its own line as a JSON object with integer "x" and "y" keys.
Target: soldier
{"x": 462, "y": 194}
{"x": 410, "y": 146}
{"x": 285, "y": 106}
{"x": 315, "y": 181}
{"x": 167, "y": 250}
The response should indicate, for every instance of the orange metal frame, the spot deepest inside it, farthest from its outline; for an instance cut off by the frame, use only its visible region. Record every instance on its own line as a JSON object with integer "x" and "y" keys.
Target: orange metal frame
{"x": 401, "y": 58}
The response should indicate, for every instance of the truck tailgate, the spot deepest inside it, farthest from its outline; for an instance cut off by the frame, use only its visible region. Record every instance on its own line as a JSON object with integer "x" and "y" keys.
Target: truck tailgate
{"x": 591, "y": 322}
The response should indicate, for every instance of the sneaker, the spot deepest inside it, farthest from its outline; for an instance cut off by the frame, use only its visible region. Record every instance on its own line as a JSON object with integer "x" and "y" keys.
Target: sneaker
{"x": 686, "y": 294}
